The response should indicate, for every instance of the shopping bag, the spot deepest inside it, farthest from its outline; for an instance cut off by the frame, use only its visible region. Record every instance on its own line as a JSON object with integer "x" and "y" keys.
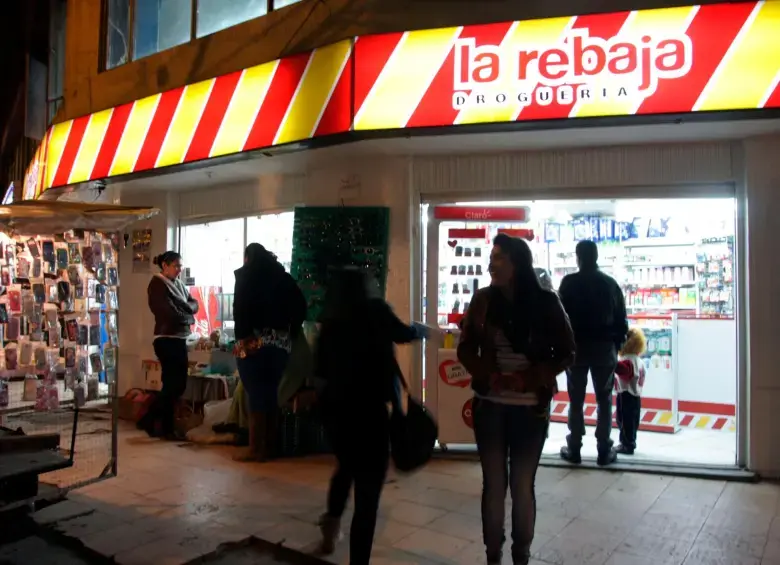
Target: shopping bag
{"x": 300, "y": 367}
{"x": 413, "y": 433}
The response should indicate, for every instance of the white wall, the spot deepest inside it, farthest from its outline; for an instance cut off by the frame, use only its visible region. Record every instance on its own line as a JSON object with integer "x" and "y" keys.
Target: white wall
{"x": 762, "y": 183}
{"x": 136, "y": 323}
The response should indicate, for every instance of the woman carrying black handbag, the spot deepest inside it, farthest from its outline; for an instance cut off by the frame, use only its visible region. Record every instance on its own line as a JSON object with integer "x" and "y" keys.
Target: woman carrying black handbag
{"x": 355, "y": 358}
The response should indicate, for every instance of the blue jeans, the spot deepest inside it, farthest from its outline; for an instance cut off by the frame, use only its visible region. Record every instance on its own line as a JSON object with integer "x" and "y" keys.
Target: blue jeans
{"x": 510, "y": 441}
{"x": 261, "y": 372}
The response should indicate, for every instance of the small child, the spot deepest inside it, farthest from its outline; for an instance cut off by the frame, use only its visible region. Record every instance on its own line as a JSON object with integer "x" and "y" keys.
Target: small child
{"x": 630, "y": 378}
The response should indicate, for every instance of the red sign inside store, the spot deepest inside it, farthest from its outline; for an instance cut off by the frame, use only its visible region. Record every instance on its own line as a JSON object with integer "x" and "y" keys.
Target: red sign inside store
{"x": 481, "y": 214}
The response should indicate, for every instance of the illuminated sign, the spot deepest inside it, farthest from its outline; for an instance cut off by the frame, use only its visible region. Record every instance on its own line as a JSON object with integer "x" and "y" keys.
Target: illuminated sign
{"x": 8, "y": 198}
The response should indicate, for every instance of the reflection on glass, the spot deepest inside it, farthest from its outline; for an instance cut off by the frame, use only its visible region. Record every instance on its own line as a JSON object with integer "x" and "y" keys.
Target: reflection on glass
{"x": 282, "y": 3}
{"x": 216, "y": 15}
{"x": 117, "y": 33}
{"x": 160, "y": 25}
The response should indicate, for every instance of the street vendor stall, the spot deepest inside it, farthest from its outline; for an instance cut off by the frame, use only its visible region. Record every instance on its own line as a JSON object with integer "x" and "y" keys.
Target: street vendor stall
{"x": 59, "y": 280}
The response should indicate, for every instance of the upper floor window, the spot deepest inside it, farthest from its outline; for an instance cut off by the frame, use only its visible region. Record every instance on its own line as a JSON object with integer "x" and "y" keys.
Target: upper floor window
{"x": 138, "y": 28}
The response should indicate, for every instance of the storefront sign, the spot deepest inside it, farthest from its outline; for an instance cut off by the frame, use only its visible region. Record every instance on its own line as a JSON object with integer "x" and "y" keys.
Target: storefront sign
{"x": 667, "y": 61}
{"x": 672, "y": 60}
{"x": 481, "y": 213}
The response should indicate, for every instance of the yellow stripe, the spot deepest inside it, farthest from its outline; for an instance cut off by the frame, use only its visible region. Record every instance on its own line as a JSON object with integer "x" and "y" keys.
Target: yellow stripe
{"x": 703, "y": 422}
{"x": 405, "y": 78}
{"x": 59, "y": 136}
{"x": 135, "y": 133}
{"x": 664, "y": 22}
{"x": 523, "y": 35}
{"x": 665, "y": 419}
{"x": 324, "y": 70}
{"x": 181, "y": 130}
{"x": 742, "y": 81}
{"x": 90, "y": 145}
{"x": 247, "y": 98}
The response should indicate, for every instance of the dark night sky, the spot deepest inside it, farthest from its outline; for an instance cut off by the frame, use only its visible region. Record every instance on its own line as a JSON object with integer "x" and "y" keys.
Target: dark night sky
{"x": 23, "y": 26}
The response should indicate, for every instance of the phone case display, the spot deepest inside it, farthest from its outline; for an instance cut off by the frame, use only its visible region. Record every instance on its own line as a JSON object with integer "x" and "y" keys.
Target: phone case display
{"x": 46, "y": 323}
{"x": 715, "y": 267}
{"x": 330, "y": 237}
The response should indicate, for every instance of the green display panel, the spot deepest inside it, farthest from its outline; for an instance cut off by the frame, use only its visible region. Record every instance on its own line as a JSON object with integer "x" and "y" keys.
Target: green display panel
{"x": 325, "y": 238}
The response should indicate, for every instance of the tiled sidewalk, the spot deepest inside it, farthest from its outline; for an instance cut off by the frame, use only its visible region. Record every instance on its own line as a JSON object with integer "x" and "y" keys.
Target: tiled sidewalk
{"x": 172, "y": 504}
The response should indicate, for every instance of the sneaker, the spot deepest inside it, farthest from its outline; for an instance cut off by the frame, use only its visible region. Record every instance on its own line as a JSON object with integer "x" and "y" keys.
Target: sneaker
{"x": 624, "y": 449}
{"x": 331, "y": 533}
{"x": 571, "y": 455}
{"x": 606, "y": 457}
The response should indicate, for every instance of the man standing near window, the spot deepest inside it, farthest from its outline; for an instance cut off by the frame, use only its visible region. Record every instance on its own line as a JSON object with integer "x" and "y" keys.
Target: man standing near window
{"x": 597, "y": 310}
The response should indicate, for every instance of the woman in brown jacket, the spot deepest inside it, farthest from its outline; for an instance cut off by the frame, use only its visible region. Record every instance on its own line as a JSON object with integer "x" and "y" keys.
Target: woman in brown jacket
{"x": 516, "y": 339}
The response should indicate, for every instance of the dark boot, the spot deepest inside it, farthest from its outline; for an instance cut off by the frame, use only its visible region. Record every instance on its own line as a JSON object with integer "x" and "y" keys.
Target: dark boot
{"x": 571, "y": 455}
{"x": 257, "y": 439}
{"x": 607, "y": 456}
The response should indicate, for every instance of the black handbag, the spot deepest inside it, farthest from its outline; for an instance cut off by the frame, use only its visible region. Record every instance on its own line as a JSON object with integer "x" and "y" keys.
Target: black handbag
{"x": 413, "y": 433}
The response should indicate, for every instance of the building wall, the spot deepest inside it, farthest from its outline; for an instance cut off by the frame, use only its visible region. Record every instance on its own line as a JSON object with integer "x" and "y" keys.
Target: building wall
{"x": 297, "y": 28}
{"x": 762, "y": 185}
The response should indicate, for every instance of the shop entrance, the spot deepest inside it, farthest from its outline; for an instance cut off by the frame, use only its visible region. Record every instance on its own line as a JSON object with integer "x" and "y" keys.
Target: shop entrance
{"x": 675, "y": 262}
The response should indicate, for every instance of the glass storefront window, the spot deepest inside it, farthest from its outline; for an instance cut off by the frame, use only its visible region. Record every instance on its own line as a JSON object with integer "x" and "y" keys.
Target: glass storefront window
{"x": 213, "y": 251}
{"x": 282, "y": 3}
{"x": 117, "y": 33}
{"x": 216, "y": 15}
{"x": 275, "y": 233}
{"x": 160, "y": 24}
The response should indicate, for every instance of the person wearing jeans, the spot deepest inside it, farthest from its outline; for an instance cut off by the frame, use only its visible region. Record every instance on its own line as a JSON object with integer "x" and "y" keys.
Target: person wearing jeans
{"x": 497, "y": 430}
{"x": 599, "y": 359}
{"x": 515, "y": 341}
{"x": 174, "y": 311}
{"x": 597, "y": 310}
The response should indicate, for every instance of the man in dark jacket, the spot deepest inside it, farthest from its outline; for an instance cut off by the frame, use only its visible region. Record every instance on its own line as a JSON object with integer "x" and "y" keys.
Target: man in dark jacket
{"x": 597, "y": 311}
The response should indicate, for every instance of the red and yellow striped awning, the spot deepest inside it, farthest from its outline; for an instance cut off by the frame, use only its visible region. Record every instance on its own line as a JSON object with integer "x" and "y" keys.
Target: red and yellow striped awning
{"x": 669, "y": 61}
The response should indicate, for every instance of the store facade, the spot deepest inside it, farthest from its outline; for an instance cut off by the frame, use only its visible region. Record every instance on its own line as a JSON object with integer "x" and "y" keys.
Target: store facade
{"x": 663, "y": 63}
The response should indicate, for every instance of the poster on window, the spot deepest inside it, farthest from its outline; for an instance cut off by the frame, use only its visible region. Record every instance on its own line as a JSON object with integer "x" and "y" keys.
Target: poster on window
{"x": 206, "y": 319}
{"x": 142, "y": 251}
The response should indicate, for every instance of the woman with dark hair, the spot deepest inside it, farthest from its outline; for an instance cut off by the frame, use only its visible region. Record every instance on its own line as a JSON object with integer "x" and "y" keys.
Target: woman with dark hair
{"x": 268, "y": 312}
{"x": 516, "y": 339}
{"x": 355, "y": 357}
{"x": 174, "y": 310}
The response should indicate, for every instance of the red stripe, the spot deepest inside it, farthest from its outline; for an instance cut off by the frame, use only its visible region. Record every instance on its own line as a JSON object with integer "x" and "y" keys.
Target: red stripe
{"x": 712, "y": 32}
{"x": 279, "y": 97}
{"x": 337, "y": 117}
{"x": 686, "y": 421}
{"x": 559, "y": 408}
{"x": 110, "y": 143}
{"x": 435, "y": 108}
{"x": 371, "y": 55}
{"x": 774, "y": 99}
{"x": 213, "y": 113}
{"x": 161, "y": 121}
{"x": 648, "y": 403}
{"x": 604, "y": 26}
{"x": 720, "y": 423}
{"x": 462, "y": 233}
{"x": 589, "y": 411}
{"x": 649, "y": 416}
{"x": 707, "y": 408}
{"x": 71, "y": 150}
{"x": 562, "y": 419}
